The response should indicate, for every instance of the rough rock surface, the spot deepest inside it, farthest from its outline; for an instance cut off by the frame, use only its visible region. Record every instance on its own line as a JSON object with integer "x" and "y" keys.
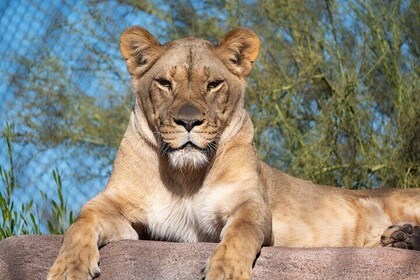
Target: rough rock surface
{"x": 29, "y": 257}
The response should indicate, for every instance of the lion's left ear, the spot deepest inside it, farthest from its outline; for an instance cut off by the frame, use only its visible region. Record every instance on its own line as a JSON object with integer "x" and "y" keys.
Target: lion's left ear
{"x": 238, "y": 50}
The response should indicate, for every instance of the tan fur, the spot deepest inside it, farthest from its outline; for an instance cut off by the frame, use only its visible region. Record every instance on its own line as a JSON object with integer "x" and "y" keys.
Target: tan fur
{"x": 186, "y": 170}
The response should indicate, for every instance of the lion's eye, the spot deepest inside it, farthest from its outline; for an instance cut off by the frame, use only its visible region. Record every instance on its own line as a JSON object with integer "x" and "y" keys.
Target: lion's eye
{"x": 214, "y": 84}
{"x": 164, "y": 83}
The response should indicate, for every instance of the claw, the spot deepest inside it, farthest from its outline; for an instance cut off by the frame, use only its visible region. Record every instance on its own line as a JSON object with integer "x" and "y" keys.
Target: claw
{"x": 95, "y": 271}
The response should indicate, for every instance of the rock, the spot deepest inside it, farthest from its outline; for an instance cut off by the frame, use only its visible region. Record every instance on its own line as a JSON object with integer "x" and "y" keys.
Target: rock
{"x": 29, "y": 257}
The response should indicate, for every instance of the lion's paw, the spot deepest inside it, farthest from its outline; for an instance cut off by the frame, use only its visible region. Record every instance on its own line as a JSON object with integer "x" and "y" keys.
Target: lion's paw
{"x": 404, "y": 236}
{"x": 76, "y": 264}
{"x": 228, "y": 270}
{"x": 223, "y": 265}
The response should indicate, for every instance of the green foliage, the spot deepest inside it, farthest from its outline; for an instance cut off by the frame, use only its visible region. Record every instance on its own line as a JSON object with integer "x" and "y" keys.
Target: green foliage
{"x": 15, "y": 219}
{"x": 24, "y": 218}
{"x": 338, "y": 87}
{"x": 61, "y": 216}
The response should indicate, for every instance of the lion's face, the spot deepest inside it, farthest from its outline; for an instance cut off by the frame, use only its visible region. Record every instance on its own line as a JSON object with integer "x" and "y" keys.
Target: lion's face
{"x": 190, "y": 90}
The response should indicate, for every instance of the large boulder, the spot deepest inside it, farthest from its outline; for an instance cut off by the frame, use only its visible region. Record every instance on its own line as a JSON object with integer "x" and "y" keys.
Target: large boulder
{"x": 29, "y": 257}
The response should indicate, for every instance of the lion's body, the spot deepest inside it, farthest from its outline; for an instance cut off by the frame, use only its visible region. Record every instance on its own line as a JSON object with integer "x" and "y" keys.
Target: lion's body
{"x": 310, "y": 215}
{"x": 186, "y": 170}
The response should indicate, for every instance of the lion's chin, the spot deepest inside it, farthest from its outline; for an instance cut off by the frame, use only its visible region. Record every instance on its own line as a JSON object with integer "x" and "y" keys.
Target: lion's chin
{"x": 188, "y": 157}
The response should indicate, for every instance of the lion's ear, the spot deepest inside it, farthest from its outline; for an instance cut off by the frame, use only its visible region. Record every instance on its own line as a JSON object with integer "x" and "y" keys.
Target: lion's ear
{"x": 140, "y": 49}
{"x": 238, "y": 50}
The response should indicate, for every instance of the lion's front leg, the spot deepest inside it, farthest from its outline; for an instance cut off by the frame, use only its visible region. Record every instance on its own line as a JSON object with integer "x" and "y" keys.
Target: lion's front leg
{"x": 79, "y": 255}
{"x": 97, "y": 224}
{"x": 246, "y": 231}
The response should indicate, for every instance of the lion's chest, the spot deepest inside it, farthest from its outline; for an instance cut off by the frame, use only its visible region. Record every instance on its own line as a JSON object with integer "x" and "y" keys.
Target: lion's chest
{"x": 186, "y": 220}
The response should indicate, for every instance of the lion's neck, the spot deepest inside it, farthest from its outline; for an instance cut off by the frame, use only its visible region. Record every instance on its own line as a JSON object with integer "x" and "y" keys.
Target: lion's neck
{"x": 240, "y": 128}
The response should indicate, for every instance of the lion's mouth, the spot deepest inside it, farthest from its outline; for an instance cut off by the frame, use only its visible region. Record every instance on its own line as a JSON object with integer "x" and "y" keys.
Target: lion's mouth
{"x": 189, "y": 146}
{"x": 167, "y": 149}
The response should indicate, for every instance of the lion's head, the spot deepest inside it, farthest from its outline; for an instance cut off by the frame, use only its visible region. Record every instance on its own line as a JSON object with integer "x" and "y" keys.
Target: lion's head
{"x": 189, "y": 92}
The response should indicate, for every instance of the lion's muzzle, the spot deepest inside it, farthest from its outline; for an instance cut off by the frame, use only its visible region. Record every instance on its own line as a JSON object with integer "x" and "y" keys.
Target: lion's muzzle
{"x": 188, "y": 139}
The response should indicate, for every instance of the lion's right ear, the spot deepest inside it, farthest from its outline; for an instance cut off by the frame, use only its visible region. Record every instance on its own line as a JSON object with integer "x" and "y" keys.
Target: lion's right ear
{"x": 140, "y": 49}
{"x": 238, "y": 50}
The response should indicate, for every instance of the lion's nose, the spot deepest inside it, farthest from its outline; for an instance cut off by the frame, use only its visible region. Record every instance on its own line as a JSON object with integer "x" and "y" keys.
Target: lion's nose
{"x": 188, "y": 124}
{"x": 189, "y": 116}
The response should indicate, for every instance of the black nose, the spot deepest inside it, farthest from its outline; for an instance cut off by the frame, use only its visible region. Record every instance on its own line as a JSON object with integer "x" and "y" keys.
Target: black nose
{"x": 189, "y": 116}
{"x": 188, "y": 124}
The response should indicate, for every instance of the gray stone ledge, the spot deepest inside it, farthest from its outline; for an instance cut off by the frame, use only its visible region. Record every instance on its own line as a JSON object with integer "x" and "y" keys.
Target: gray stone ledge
{"x": 29, "y": 257}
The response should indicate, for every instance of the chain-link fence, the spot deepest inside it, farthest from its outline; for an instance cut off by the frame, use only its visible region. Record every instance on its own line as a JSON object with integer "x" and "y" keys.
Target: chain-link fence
{"x": 62, "y": 80}
{"x": 333, "y": 95}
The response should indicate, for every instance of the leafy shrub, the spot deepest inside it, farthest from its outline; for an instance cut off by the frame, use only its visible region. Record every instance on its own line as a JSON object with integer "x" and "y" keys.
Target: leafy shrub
{"x": 24, "y": 218}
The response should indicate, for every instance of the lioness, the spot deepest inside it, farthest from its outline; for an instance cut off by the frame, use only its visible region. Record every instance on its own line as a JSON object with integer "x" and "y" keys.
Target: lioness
{"x": 187, "y": 171}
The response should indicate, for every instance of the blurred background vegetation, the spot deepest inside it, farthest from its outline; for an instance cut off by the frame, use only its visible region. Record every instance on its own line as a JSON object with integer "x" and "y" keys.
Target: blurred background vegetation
{"x": 334, "y": 95}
